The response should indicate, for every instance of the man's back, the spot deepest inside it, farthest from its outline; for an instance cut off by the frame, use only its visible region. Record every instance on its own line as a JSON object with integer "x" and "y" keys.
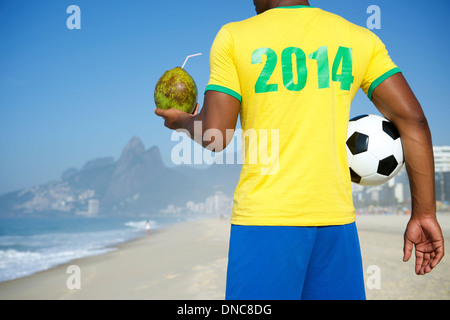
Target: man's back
{"x": 296, "y": 71}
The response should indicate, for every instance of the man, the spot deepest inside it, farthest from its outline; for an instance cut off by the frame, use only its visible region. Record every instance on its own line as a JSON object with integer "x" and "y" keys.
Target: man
{"x": 147, "y": 227}
{"x": 295, "y": 69}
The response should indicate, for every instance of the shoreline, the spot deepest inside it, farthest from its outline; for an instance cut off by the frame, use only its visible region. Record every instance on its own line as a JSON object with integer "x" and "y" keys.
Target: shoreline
{"x": 187, "y": 261}
{"x": 71, "y": 243}
{"x": 148, "y": 267}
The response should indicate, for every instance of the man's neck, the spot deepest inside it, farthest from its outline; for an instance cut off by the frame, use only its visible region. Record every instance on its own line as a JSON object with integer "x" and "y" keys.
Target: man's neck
{"x": 288, "y": 3}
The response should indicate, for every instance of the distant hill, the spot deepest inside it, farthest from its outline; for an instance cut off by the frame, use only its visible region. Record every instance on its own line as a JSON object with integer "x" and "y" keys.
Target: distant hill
{"x": 137, "y": 183}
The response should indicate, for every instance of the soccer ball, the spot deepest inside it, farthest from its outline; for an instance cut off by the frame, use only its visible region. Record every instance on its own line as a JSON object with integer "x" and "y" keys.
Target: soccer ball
{"x": 374, "y": 150}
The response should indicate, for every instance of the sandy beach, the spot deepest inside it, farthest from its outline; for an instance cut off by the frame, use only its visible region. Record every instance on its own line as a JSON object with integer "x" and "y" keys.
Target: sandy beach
{"x": 188, "y": 262}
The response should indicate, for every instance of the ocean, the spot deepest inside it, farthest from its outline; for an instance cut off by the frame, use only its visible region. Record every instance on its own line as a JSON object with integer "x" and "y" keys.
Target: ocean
{"x": 30, "y": 245}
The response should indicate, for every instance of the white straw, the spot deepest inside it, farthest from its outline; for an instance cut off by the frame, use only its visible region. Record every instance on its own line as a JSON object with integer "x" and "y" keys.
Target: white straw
{"x": 192, "y": 55}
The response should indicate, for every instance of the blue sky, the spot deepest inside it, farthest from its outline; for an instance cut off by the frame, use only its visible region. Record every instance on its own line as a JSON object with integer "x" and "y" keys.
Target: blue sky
{"x": 68, "y": 96}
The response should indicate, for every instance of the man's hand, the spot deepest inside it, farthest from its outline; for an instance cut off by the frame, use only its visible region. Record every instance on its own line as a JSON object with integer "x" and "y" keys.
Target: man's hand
{"x": 426, "y": 235}
{"x": 220, "y": 111}
{"x": 175, "y": 118}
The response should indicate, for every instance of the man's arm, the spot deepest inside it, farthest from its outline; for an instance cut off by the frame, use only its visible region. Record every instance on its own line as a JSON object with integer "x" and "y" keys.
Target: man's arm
{"x": 396, "y": 101}
{"x": 219, "y": 112}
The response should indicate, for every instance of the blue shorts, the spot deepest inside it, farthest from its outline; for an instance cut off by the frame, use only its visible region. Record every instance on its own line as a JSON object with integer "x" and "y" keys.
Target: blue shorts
{"x": 291, "y": 263}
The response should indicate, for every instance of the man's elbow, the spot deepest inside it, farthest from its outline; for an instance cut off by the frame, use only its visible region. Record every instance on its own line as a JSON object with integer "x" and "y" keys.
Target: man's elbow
{"x": 417, "y": 120}
{"x": 216, "y": 140}
{"x": 413, "y": 126}
{"x": 215, "y": 144}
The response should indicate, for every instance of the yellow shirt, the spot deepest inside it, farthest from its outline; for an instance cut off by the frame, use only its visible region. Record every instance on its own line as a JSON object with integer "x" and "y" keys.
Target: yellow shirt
{"x": 295, "y": 71}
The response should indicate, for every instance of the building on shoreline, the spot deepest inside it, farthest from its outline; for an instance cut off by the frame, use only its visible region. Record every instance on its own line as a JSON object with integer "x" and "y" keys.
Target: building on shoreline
{"x": 395, "y": 194}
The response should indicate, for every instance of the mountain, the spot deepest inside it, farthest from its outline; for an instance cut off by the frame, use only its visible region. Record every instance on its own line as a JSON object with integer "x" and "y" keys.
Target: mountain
{"x": 137, "y": 183}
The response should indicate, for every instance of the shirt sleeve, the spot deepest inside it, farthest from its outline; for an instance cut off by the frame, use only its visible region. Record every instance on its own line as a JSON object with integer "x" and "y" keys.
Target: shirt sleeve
{"x": 380, "y": 67}
{"x": 224, "y": 76}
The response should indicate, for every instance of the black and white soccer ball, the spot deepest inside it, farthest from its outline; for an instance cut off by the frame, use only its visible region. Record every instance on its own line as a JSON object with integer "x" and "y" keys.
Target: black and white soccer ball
{"x": 374, "y": 150}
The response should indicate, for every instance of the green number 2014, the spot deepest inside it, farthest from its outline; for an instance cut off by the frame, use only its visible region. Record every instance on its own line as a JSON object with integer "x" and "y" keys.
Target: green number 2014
{"x": 343, "y": 58}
